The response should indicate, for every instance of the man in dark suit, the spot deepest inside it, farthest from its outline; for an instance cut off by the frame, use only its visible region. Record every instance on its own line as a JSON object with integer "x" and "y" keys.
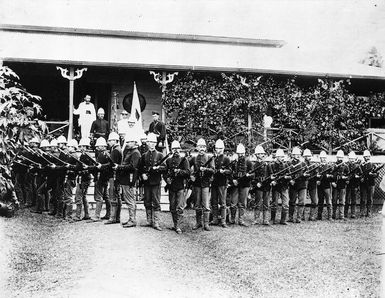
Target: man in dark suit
{"x": 159, "y": 129}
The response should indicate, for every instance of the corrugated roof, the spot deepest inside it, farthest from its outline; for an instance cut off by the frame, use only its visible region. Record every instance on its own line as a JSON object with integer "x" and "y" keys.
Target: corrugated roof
{"x": 322, "y": 37}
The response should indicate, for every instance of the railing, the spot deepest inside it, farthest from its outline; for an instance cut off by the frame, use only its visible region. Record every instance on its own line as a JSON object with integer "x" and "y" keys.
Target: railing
{"x": 62, "y": 125}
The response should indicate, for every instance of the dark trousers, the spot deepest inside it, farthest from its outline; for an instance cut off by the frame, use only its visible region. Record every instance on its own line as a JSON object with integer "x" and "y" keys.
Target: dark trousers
{"x": 177, "y": 201}
{"x": 262, "y": 200}
{"x": 218, "y": 197}
{"x": 367, "y": 192}
{"x": 152, "y": 197}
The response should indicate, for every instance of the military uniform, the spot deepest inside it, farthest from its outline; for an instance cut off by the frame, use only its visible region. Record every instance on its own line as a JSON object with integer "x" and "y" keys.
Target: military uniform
{"x": 176, "y": 172}
{"x": 367, "y": 188}
{"x": 201, "y": 187}
{"x": 240, "y": 192}
{"x": 114, "y": 188}
{"x": 280, "y": 191}
{"x": 261, "y": 186}
{"x": 355, "y": 174}
{"x": 158, "y": 128}
{"x": 128, "y": 176}
{"x": 152, "y": 185}
{"x": 340, "y": 173}
{"x": 298, "y": 190}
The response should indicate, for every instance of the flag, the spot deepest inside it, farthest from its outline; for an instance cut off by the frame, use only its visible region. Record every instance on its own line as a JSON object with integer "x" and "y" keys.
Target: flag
{"x": 135, "y": 109}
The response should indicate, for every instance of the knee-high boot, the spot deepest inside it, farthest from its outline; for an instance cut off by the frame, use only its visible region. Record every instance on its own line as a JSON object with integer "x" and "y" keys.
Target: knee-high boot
{"x": 98, "y": 209}
{"x": 198, "y": 214}
{"x": 291, "y": 213}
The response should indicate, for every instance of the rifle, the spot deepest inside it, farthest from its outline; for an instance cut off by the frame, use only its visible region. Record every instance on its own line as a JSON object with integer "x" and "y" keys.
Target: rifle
{"x": 198, "y": 171}
{"x": 228, "y": 167}
{"x": 374, "y": 171}
{"x": 172, "y": 174}
{"x": 149, "y": 170}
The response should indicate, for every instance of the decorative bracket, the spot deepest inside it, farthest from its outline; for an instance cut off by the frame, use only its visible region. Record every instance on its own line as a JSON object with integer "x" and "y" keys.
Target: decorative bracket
{"x": 71, "y": 76}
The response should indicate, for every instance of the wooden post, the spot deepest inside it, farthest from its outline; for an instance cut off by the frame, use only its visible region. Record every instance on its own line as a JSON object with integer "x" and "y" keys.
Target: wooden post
{"x": 249, "y": 126}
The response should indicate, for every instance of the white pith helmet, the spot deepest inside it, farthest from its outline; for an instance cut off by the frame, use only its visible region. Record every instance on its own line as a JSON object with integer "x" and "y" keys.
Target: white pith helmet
{"x": 62, "y": 140}
{"x": 219, "y": 144}
{"x": 101, "y": 142}
{"x": 259, "y": 150}
{"x": 44, "y": 144}
{"x": 175, "y": 145}
{"x": 84, "y": 142}
{"x": 73, "y": 143}
{"x": 34, "y": 140}
{"x": 151, "y": 138}
{"x": 53, "y": 143}
{"x": 366, "y": 153}
{"x": 340, "y": 153}
{"x": 113, "y": 136}
{"x": 352, "y": 155}
{"x": 307, "y": 153}
{"x": 201, "y": 142}
{"x": 240, "y": 149}
{"x": 280, "y": 153}
{"x": 296, "y": 151}
{"x": 323, "y": 154}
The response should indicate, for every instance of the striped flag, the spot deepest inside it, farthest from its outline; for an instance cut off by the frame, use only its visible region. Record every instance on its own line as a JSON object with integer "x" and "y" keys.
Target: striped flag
{"x": 135, "y": 110}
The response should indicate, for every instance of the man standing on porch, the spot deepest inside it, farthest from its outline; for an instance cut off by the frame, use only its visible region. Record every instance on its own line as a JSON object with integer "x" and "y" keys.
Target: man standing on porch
{"x": 87, "y": 115}
{"x": 157, "y": 127}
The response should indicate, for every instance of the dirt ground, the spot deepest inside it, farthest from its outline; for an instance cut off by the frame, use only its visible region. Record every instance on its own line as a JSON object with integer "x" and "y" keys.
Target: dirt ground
{"x": 45, "y": 257}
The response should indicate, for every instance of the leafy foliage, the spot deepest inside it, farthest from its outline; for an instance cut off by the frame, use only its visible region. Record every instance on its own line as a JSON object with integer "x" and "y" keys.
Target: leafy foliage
{"x": 322, "y": 116}
{"x": 14, "y": 120}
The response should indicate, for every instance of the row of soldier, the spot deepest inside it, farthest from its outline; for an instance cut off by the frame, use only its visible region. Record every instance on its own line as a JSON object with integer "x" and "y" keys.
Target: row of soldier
{"x": 221, "y": 184}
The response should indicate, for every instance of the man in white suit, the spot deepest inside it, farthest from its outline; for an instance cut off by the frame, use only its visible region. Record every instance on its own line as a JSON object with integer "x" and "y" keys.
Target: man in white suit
{"x": 87, "y": 115}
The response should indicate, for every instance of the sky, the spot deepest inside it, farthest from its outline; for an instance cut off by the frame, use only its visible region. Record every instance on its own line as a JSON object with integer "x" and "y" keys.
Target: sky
{"x": 336, "y": 29}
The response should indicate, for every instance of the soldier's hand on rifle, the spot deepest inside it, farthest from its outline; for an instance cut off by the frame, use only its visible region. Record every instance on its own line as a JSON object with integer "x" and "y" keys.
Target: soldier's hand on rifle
{"x": 145, "y": 177}
{"x": 318, "y": 175}
{"x": 155, "y": 168}
{"x": 273, "y": 177}
{"x": 85, "y": 167}
{"x": 202, "y": 169}
{"x": 168, "y": 180}
{"x": 306, "y": 174}
{"x": 273, "y": 183}
{"x": 318, "y": 182}
{"x": 235, "y": 182}
{"x": 344, "y": 177}
{"x": 329, "y": 176}
{"x": 98, "y": 166}
{"x": 287, "y": 177}
{"x": 259, "y": 184}
{"x": 192, "y": 178}
{"x": 334, "y": 184}
{"x": 115, "y": 166}
{"x": 292, "y": 182}
{"x": 357, "y": 176}
{"x": 221, "y": 171}
{"x": 177, "y": 171}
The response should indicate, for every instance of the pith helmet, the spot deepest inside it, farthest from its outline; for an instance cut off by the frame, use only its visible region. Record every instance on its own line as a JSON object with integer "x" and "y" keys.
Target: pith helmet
{"x": 219, "y": 144}
{"x": 307, "y": 153}
{"x": 323, "y": 154}
{"x": 201, "y": 142}
{"x": 280, "y": 153}
{"x": 367, "y": 153}
{"x": 175, "y": 145}
{"x": 352, "y": 155}
{"x": 73, "y": 143}
{"x": 151, "y": 138}
{"x": 44, "y": 143}
{"x": 340, "y": 153}
{"x": 62, "y": 140}
{"x": 100, "y": 111}
{"x": 53, "y": 143}
{"x": 296, "y": 151}
{"x": 113, "y": 136}
{"x": 101, "y": 142}
{"x": 259, "y": 150}
{"x": 34, "y": 140}
{"x": 241, "y": 149}
{"x": 84, "y": 142}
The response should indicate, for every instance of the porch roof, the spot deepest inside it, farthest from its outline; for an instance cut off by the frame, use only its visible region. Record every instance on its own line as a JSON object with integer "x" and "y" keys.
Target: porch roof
{"x": 317, "y": 38}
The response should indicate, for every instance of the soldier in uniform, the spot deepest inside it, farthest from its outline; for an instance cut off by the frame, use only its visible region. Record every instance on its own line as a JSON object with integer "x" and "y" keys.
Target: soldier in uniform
{"x": 159, "y": 129}
{"x": 202, "y": 170}
{"x": 340, "y": 173}
{"x": 324, "y": 177}
{"x": 241, "y": 181}
{"x": 128, "y": 176}
{"x": 280, "y": 187}
{"x": 219, "y": 184}
{"x": 20, "y": 174}
{"x": 62, "y": 174}
{"x": 31, "y": 187}
{"x": 84, "y": 183}
{"x": 298, "y": 186}
{"x": 312, "y": 185}
{"x": 355, "y": 174}
{"x": 367, "y": 185}
{"x": 151, "y": 169}
{"x": 262, "y": 186}
{"x": 53, "y": 181}
{"x": 114, "y": 187}
{"x": 176, "y": 173}
{"x": 104, "y": 161}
